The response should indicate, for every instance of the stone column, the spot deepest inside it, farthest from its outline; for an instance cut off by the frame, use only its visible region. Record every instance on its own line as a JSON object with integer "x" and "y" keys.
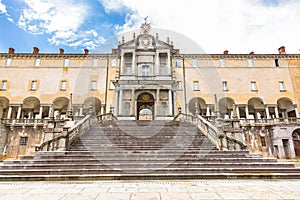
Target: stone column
{"x": 170, "y": 103}
{"x": 30, "y": 115}
{"x": 237, "y": 111}
{"x": 247, "y": 112}
{"x": 276, "y": 112}
{"x": 81, "y": 110}
{"x": 41, "y": 112}
{"x": 207, "y": 111}
{"x": 157, "y": 63}
{"x": 168, "y": 63}
{"x": 9, "y": 112}
{"x": 267, "y": 112}
{"x": 296, "y": 111}
{"x": 103, "y": 111}
{"x": 157, "y": 103}
{"x": 120, "y": 101}
{"x": 132, "y": 103}
{"x": 1, "y": 112}
{"x": 133, "y": 63}
{"x": 122, "y": 64}
{"x": 50, "y": 110}
{"x": 19, "y": 112}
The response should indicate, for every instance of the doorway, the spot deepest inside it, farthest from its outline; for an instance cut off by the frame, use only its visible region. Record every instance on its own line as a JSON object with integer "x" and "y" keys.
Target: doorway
{"x": 296, "y": 141}
{"x": 145, "y": 106}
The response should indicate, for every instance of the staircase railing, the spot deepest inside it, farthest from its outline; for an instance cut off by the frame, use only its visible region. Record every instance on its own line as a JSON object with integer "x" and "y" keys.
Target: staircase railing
{"x": 204, "y": 126}
{"x": 214, "y": 134}
{"x": 69, "y": 135}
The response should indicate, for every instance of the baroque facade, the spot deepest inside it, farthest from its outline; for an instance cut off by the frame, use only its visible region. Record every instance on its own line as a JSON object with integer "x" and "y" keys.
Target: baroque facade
{"x": 145, "y": 78}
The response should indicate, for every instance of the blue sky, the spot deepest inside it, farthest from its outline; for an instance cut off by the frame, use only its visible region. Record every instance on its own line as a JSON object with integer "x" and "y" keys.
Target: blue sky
{"x": 240, "y": 26}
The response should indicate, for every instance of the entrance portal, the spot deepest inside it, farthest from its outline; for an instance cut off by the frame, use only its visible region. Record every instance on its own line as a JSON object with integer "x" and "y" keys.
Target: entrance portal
{"x": 145, "y": 107}
{"x": 296, "y": 140}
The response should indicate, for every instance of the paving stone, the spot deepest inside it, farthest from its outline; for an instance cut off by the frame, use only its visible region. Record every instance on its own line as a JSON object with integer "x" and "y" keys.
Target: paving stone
{"x": 205, "y": 195}
{"x": 145, "y": 196}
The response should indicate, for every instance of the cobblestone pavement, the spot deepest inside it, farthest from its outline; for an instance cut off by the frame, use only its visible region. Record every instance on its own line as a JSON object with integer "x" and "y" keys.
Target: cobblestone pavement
{"x": 152, "y": 190}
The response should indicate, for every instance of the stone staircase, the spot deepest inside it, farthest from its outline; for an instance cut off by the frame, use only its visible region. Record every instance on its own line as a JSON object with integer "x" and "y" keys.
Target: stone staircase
{"x": 145, "y": 150}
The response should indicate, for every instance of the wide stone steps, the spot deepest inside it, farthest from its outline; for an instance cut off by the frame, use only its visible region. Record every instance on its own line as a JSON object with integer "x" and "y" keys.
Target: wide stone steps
{"x": 144, "y": 150}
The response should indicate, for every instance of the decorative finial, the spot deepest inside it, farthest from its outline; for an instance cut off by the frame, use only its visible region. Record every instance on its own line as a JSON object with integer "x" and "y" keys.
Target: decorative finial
{"x": 122, "y": 39}
{"x": 168, "y": 40}
{"x": 145, "y": 26}
{"x": 133, "y": 35}
{"x": 156, "y": 35}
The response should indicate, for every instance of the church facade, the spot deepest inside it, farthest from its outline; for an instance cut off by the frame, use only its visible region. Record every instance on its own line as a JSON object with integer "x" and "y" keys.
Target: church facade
{"x": 146, "y": 78}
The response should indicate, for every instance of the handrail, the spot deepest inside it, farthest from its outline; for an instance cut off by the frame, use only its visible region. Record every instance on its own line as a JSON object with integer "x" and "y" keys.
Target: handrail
{"x": 107, "y": 116}
{"x": 214, "y": 134}
{"x": 204, "y": 126}
{"x": 63, "y": 142}
{"x": 70, "y": 135}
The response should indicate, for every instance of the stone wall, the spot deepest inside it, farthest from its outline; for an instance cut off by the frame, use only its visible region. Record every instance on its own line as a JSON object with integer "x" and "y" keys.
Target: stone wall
{"x": 3, "y": 137}
{"x": 14, "y": 135}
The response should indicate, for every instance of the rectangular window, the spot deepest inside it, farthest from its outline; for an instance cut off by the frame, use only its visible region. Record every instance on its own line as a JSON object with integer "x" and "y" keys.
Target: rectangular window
{"x": 111, "y": 85}
{"x": 253, "y": 86}
{"x": 23, "y": 141}
{"x": 145, "y": 70}
{"x": 66, "y": 62}
{"x": 113, "y": 62}
{"x": 95, "y": 62}
{"x": 94, "y": 85}
{"x": 37, "y": 62}
{"x": 63, "y": 85}
{"x": 281, "y": 86}
{"x": 178, "y": 63}
{"x": 250, "y": 62}
{"x": 163, "y": 60}
{"x": 128, "y": 62}
{"x": 194, "y": 63}
{"x": 33, "y": 85}
{"x": 8, "y": 62}
{"x": 277, "y": 63}
{"x": 3, "y": 85}
{"x": 222, "y": 63}
{"x": 224, "y": 85}
{"x": 263, "y": 141}
{"x": 179, "y": 85}
{"x": 196, "y": 85}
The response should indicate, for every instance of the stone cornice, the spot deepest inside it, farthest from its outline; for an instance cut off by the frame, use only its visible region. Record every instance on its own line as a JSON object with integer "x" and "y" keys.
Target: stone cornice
{"x": 45, "y": 55}
{"x": 192, "y": 56}
{"x": 238, "y": 56}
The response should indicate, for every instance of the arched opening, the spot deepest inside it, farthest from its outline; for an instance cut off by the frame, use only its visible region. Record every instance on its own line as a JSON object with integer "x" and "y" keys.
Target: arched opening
{"x": 256, "y": 108}
{"x": 145, "y": 106}
{"x": 197, "y": 101}
{"x": 4, "y": 102}
{"x": 286, "y": 108}
{"x": 296, "y": 141}
{"x": 92, "y": 105}
{"x": 30, "y": 107}
{"x": 60, "y": 107}
{"x": 226, "y": 107}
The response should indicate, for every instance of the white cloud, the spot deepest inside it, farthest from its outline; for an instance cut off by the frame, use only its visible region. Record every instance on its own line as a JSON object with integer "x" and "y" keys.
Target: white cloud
{"x": 112, "y": 5}
{"x": 61, "y": 19}
{"x": 241, "y": 26}
{"x": 2, "y": 8}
